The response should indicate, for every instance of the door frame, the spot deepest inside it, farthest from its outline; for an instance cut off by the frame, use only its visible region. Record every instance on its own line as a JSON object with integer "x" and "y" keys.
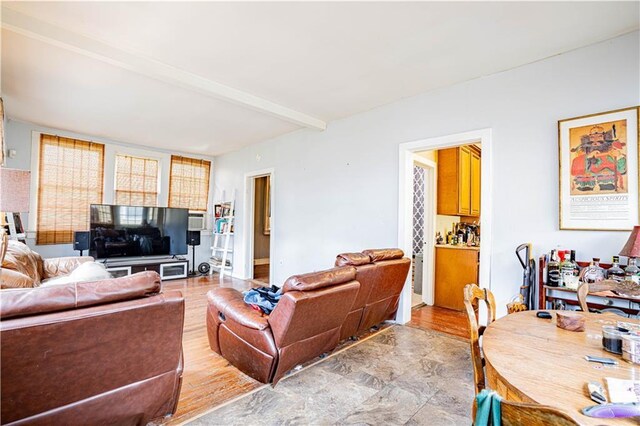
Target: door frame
{"x": 405, "y": 193}
{"x": 430, "y": 205}
{"x": 248, "y": 219}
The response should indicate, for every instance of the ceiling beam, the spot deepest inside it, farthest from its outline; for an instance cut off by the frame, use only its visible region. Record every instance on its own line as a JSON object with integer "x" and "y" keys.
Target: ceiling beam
{"x": 40, "y": 30}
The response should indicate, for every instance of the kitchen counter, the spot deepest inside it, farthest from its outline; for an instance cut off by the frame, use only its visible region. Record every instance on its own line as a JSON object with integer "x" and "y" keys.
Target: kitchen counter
{"x": 457, "y": 247}
{"x": 456, "y": 266}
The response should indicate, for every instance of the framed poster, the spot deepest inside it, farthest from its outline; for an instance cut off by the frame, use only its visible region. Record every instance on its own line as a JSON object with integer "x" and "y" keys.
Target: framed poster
{"x": 599, "y": 171}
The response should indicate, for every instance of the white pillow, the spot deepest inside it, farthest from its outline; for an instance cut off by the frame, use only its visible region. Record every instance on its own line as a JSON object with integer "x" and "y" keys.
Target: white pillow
{"x": 85, "y": 272}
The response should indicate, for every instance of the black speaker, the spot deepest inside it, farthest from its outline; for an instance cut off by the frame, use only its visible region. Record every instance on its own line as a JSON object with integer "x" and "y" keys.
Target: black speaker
{"x": 193, "y": 238}
{"x": 81, "y": 241}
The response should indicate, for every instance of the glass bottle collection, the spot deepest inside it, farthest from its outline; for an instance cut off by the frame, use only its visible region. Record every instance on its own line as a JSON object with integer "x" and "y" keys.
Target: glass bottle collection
{"x": 564, "y": 271}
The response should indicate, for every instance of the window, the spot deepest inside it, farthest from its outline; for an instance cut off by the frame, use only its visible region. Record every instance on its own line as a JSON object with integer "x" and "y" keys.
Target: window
{"x": 70, "y": 179}
{"x": 189, "y": 183}
{"x": 136, "y": 181}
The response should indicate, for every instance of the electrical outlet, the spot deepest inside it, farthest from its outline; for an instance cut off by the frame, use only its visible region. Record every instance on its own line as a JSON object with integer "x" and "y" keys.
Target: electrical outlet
{"x": 12, "y": 153}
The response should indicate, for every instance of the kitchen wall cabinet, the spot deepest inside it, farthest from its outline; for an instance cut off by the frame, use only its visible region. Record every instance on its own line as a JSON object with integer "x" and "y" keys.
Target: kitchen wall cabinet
{"x": 459, "y": 181}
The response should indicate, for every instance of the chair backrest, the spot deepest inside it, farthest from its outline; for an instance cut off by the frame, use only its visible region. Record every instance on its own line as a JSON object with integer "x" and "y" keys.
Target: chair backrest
{"x": 588, "y": 288}
{"x": 517, "y": 414}
{"x": 472, "y": 295}
{"x": 312, "y": 304}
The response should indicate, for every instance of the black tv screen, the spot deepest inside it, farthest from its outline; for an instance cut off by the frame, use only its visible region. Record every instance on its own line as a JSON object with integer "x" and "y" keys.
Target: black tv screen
{"x": 127, "y": 231}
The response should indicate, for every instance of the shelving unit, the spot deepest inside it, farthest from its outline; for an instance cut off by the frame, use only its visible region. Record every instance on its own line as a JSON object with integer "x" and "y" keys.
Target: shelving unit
{"x": 221, "y": 259}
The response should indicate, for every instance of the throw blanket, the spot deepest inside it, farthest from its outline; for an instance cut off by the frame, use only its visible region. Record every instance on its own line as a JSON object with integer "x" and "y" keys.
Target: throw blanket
{"x": 263, "y": 299}
{"x": 488, "y": 412}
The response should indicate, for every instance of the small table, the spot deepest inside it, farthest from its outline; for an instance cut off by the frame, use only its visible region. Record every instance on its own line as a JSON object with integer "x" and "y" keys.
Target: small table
{"x": 529, "y": 359}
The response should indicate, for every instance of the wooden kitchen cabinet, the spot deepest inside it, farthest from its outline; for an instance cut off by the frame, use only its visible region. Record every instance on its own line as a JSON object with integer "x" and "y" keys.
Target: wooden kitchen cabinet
{"x": 475, "y": 183}
{"x": 459, "y": 181}
{"x": 455, "y": 268}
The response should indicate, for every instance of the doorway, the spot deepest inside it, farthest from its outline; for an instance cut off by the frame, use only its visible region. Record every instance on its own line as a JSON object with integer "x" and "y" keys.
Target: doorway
{"x": 261, "y": 229}
{"x": 424, "y": 199}
{"x": 259, "y": 226}
{"x": 409, "y": 157}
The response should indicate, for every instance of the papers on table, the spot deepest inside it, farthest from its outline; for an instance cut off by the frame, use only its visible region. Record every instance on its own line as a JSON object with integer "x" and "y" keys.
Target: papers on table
{"x": 621, "y": 390}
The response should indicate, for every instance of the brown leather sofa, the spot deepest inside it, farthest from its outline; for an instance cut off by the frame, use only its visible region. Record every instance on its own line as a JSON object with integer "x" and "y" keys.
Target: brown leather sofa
{"x": 381, "y": 274}
{"x": 305, "y": 323}
{"x": 104, "y": 352}
{"x": 21, "y": 267}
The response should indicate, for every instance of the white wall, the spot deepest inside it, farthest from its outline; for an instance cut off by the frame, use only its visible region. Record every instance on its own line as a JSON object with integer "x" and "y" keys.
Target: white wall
{"x": 19, "y": 136}
{"x": 337, "y": 190}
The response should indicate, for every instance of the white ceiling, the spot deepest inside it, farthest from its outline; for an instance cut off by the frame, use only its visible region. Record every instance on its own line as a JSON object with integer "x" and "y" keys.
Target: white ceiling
{"x": 314, "y": 60}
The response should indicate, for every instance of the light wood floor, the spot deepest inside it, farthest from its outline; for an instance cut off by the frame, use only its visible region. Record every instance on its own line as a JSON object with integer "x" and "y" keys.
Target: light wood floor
{"x": 440, "y": 319}
{"x": 208, "y": 379}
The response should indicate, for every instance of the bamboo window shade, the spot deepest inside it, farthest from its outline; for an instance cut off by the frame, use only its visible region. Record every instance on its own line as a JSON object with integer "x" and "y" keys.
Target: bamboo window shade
{"x": 189, "y": 183}
{"x": 136, "y": 181}
{"x": 70, "y": 178}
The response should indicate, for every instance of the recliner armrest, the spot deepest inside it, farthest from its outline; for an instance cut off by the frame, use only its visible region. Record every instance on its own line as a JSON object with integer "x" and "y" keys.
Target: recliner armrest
{"x": 63, "y": 265}
{"x": 230, "y": 304}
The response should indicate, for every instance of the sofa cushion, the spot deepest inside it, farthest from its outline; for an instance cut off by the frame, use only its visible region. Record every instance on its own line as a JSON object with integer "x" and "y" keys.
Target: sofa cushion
{"x": 22, "y": 259}
{"x": 14, "y": 279}
{"x": 378, "y": 255}
{"x": 24, "y": 302}
{"x": 353, "y": 259}
{"x": 316, "y": 280}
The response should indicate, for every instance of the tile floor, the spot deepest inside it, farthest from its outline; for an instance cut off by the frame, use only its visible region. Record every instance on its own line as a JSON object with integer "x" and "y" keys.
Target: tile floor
{"x": 403, "y": 375}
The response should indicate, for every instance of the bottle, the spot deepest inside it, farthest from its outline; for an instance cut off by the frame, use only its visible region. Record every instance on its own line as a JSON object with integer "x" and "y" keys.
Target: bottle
{"x": 567, "y": 272}
{"x": 576, "y": 267}
{"x": 631, "y": 272}
{"x": 553, "y": 270}
{"x": 593, "y": 273}
{"x": 616, "y": 273}
{"x": 560, "y": 261}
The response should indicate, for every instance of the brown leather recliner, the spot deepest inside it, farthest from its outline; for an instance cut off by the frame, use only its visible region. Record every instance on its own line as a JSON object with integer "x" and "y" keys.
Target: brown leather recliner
{"x": 381, "y": 274}
{"x": 305, "y": 323}
{"x": 104, "y": 352}
{"x": 21, "y": 267}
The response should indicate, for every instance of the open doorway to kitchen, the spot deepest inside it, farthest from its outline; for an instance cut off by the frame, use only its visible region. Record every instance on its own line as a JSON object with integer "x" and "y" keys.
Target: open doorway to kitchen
{"x": 444, "y": 208}
{"x": 258, "y": 226}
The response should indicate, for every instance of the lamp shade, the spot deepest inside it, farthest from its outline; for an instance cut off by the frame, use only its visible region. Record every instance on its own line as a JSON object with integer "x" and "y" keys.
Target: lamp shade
{"x": 632, "y": 247}
{"x": 14, "y": 190}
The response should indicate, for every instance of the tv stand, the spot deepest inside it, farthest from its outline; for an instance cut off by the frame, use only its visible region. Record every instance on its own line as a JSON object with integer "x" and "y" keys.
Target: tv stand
{"x": 169, "y": 268}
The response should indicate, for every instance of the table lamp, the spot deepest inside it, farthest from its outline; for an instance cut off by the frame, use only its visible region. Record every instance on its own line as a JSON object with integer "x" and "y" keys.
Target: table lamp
{"x": 632, "y": 247}
{"x": 14, "y": 196}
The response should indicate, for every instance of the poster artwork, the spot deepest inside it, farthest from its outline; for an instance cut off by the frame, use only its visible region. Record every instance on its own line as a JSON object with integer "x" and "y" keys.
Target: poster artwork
{"x": 599, "y": 170}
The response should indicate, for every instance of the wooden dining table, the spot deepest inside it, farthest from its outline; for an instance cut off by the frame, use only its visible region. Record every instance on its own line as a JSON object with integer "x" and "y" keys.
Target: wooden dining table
{"x": 530, "y": 359}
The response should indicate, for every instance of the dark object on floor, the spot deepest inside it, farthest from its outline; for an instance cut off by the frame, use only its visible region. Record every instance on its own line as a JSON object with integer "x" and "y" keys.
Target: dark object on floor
{"x": 101, "y": 352}
{"x": 204, "y": 268}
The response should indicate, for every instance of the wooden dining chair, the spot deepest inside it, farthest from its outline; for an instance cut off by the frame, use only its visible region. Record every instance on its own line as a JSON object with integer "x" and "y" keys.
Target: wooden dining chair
{"x": 607, "y": 285}
{"x": 472, "y": 297}
{"x": 518, "y": 414}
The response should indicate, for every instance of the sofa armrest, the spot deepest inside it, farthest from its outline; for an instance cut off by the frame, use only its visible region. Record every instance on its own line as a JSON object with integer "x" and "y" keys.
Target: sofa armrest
{"x": 63, "y": 265}
{"x": 230, "y": 304}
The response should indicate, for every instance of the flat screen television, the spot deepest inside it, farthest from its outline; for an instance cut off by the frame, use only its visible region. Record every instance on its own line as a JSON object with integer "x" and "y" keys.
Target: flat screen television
{"x": 133, "y": 231}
